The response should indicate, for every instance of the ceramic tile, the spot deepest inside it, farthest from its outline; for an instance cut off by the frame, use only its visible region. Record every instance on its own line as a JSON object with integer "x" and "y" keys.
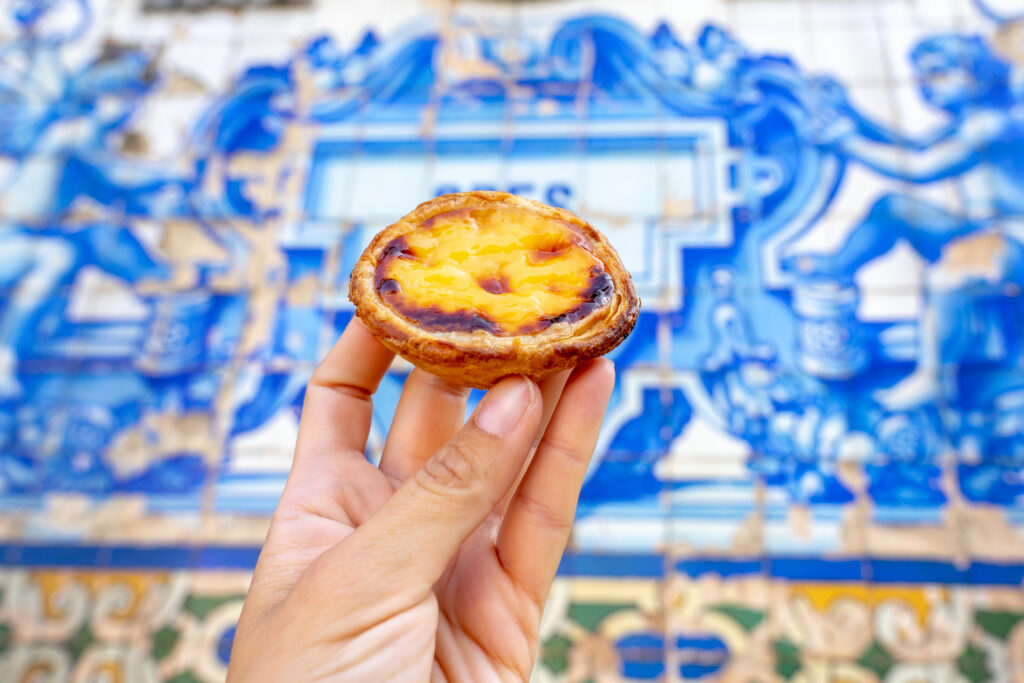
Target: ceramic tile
{"x": 128, "y": 22}
{"x": 208, "y": 26}
{"x": 262, "y": 411}
{"x": 773, "y": 14}
{"x": 620, "y": 509}
{"x": 712, "y": 496}
{"x": 160, "y": 131}
{"x": 987, "y": 486}
{"x": 639, "y": 652}
{"x": 286, "y": 26}
{"x": 647, "y": 14}
{"x": 541, "y": 15}
{"x": 91, "y": 637}
{"x": 996, "y": 620}
{"x": 995, "y": 10}
{"x": 949, "y": 14}
{"x": 931, "y": 621}
{"x": 210, "y": 65}
{"x": 862, "y": 189}
{"x": 181, "y": 251}
{"x": 875, "y": 100}
{"x": 600, "y": 626}
{"x": 982, "y": 436}
{"x": 851, "y": 53}
{"x": 833, "y": 532}
{"x": 898, "y": 42}
{"x": 718, "y": 620}
{"x": 818, "y": 625}
{"x": 348, "y": 21}
{"x": 895, "y": 13}
{"x": 490, "y": 167}
{"x": 558, "y": 651}
{"x": 37, "y": 402}
{"x": 689, "y": 20}
{"x": 782, "y": 37}
{"x": 197, "y": 638}
{"x": 842, "y": 14}
{"x": 154, "y": 441}
{"x": 373, "y": 194}
{"x": 784, "y": 648}
{"x": 696, "y": 655}
{"x": 714, "y": 518}
{"x": 918, "y": 116}
{"x": 911, "y": 515}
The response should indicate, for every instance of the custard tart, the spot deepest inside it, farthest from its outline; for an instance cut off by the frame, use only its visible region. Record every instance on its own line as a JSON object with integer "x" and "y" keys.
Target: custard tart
{"x": 475, "y": 286}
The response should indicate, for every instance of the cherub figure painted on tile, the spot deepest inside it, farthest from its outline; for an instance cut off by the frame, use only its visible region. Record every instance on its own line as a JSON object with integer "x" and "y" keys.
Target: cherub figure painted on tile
{"x": 974, "y": 249}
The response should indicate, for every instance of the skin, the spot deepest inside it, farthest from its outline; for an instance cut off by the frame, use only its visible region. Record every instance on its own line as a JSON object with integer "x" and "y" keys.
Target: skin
{"x": 436, "y": 565}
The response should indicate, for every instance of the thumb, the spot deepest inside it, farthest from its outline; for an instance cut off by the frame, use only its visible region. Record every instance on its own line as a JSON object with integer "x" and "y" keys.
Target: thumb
{"x": 414, "y": 536}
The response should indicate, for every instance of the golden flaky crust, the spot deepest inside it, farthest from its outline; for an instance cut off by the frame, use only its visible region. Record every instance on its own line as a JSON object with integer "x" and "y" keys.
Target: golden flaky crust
{"x": 478, "y": 358}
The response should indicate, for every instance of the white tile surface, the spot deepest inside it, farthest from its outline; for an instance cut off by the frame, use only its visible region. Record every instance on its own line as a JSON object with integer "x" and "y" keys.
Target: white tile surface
{"x": 689, "y": 18}
{"x": 788, "y": 14}
{"x": 897, "y": 43}
{"x": 211, "y": 64}
{"x": 793, "y": 43}
{"x": 841, "y": 13}
{"x": 347, "y": 21}
{"x": 852, "y": 54}
{"x": 917, "y": 116}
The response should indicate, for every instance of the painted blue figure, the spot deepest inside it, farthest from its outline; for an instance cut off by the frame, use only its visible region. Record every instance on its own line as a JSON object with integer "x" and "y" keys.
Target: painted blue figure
{"x": 55, "y": 120}
{"x": 973, "y": 253}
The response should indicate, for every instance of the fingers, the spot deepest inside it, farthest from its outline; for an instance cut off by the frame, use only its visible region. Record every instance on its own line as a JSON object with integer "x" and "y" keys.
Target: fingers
{"x": 550, "y": 391}
{"x": 539, "y": 519}
{"x": 429, "y": 414}
{"x": 331, "y": 486}
{"x": 408, "y": 544}
{"x": 336, "y": 416}
{"x": 338, "y": 409}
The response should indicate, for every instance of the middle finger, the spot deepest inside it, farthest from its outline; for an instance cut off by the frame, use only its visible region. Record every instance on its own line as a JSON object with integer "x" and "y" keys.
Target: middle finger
{"x": 428, "y": 415}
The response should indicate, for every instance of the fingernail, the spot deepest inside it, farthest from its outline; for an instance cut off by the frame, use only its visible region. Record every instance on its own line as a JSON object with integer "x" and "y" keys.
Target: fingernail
{"x": 504, "y": 406}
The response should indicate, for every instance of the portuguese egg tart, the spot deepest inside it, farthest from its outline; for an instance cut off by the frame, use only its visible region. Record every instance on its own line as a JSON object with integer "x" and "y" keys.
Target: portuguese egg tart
{"x": 476, "y": 286}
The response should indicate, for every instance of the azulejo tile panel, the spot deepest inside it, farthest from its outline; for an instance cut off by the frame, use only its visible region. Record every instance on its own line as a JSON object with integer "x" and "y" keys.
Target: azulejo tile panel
{"x": 811, "y": 468}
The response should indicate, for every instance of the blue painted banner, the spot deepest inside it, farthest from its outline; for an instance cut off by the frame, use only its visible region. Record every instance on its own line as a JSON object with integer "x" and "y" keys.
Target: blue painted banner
{"x": 579, "y": 564}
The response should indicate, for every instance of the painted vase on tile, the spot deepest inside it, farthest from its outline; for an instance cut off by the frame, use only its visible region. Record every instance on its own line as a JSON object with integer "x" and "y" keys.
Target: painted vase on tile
{"x": 831, "y": 341}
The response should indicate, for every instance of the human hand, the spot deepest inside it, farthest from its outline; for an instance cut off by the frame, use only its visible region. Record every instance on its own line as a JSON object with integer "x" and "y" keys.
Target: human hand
{"x": 436, "y": 565}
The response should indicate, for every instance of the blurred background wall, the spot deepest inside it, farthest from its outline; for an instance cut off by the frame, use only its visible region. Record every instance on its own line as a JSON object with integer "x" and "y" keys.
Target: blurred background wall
{"x": 812, "y": 465}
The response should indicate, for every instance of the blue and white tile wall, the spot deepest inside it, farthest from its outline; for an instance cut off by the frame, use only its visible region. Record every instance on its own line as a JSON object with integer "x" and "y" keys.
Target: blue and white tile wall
{"x": 819, "y": 421}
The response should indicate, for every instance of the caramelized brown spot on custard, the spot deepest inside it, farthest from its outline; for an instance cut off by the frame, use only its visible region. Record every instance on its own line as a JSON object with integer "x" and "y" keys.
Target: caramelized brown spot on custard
{"x": 504, "y": 272}
{"x": 495, "y": 284}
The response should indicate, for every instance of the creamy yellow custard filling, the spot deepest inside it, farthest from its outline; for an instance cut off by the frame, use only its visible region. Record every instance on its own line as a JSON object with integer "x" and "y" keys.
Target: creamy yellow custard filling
{"x": 507, "y": 271}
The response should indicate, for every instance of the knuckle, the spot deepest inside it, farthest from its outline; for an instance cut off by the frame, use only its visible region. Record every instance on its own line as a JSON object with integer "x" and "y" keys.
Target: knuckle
{"x": 321, "y": 375}
{"x": 565, "y": 449}
{"x": 444, "y": 388}
{"x": 452, "y": 468}
{"x": 543, "y": 514}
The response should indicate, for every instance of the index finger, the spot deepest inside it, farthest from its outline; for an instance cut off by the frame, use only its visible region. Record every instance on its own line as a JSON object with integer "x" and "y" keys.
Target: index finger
{"x": 338, "y": 408}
